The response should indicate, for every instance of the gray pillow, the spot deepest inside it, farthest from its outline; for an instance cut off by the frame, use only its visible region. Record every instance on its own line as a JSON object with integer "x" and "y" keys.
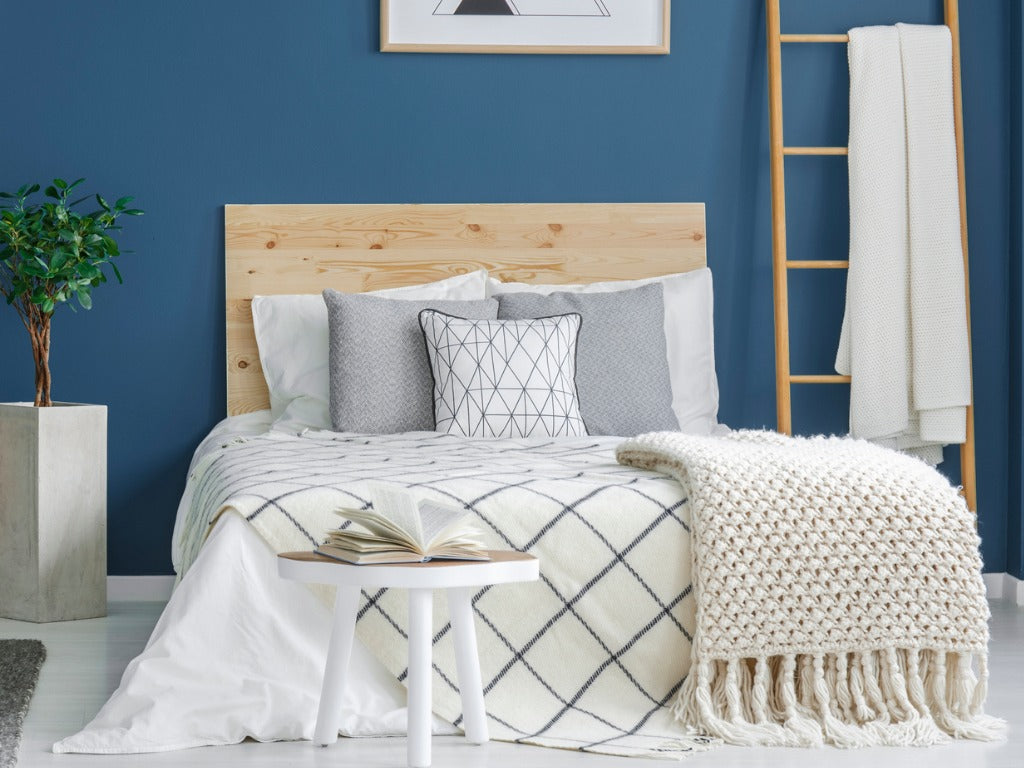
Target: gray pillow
{"x": 621, "y": 361}
{"x": 380, "y": 380}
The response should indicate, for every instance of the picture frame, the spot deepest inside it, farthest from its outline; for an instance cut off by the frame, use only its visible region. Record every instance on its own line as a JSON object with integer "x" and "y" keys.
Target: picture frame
{"x": 525, "y": 26}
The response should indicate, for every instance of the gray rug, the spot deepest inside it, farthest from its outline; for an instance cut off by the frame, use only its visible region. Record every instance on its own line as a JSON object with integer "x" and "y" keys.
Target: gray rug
{"x": 20, "y": 661}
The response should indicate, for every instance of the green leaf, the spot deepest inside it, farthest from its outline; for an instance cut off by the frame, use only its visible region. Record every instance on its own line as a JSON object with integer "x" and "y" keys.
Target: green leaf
{"x": 133, "y": 212}
{"x": 51, "y": 254}
{"x": 59, "y": 259}
{"x": 117, "y": 272}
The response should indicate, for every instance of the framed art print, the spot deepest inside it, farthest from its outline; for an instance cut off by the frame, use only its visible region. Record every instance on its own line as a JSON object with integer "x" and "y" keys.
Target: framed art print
{"x": 525, "y": 26}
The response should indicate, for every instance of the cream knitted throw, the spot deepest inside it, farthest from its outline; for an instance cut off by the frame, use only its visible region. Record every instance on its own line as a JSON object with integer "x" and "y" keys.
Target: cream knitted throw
{"x": 839, "y": 593}
{"x": 904, "y": 338}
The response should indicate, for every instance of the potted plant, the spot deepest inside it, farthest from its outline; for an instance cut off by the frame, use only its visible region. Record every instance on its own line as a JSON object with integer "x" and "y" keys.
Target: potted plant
{"x": 53, "y": 455}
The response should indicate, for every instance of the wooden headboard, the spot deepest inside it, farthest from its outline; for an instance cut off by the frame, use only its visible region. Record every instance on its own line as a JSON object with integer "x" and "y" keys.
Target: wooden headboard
{"x": 273, "y": 249}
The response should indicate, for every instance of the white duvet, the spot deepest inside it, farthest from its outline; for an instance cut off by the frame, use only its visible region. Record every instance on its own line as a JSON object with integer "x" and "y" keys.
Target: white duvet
{"x": 175, "y": 693}
{"x": 239, "y": 653}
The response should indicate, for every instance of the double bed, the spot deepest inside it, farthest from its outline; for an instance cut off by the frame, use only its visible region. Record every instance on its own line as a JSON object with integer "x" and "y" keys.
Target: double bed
{"x": 653, "y": 552}
{"x": 590, "y": 658}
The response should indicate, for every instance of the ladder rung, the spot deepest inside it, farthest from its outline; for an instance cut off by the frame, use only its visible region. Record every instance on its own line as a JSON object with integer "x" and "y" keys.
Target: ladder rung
{"x": 819, "y": 378}
{"x": 808, "y": 264}
{"x": 814, "y": 151}
{"x": 814, "y": 38}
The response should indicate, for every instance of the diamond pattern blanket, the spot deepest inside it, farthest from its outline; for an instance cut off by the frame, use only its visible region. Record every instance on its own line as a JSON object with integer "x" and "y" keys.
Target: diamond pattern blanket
{"x": 588, "y": 658}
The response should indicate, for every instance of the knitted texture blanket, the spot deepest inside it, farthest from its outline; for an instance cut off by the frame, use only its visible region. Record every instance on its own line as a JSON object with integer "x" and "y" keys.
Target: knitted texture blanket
{"x": 839, "y": 593}
{"x": 904, "y": 338}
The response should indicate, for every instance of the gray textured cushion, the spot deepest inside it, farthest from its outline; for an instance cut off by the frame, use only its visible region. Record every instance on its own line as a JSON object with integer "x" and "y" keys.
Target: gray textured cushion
{"x": 621, "y": 362}
{"x": 380, "y": 380}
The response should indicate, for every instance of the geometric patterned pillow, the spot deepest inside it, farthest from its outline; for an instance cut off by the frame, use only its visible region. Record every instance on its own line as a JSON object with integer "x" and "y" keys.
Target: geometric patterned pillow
{"x": 504, "y": 378}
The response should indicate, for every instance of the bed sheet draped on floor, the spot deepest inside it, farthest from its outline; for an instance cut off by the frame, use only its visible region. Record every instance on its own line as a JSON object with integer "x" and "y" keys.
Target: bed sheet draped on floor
{"x": 590, "y": 657}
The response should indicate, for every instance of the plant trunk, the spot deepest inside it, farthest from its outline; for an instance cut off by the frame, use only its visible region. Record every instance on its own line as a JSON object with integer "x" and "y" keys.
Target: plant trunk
{"x": 40, "y": 333}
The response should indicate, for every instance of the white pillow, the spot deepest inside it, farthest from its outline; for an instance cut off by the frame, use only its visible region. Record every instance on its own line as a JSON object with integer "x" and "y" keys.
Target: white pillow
{"x": 689, "y": 337}
{"x": 291, "y": 333}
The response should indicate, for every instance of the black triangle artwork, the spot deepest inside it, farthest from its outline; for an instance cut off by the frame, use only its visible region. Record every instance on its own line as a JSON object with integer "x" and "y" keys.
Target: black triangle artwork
{"x": 484, "y": 8}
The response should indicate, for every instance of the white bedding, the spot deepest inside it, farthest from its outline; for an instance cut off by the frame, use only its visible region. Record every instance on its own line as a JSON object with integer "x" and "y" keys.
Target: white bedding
{"x": 170, "y": 695}
{"x": 239, "y": 652}
{"x": 231, "y": 428}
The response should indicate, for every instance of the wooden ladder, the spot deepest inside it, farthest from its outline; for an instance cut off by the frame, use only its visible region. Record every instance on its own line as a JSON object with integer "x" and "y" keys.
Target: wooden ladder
{"x": 784, "y": 378}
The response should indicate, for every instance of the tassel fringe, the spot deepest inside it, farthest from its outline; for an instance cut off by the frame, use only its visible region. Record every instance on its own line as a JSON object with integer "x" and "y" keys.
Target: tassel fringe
{"x": 893, "y": 697}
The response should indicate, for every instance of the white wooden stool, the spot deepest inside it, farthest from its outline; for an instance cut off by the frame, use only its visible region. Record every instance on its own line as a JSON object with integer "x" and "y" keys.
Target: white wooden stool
{"x": 461, "y": 579}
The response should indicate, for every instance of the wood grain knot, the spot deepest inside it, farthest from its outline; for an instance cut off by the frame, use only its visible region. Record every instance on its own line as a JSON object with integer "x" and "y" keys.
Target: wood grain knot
{"x": 242, "y": 364}
{"x": 376, "y": 247}
{"x": 252, "y": 271}
{"x": 271, "y": 243}
{"x": 546, "y": 245}
{"x": 473, "y": 227}
{"x": 555, "y": 227}
{"x": 698, "y": 236}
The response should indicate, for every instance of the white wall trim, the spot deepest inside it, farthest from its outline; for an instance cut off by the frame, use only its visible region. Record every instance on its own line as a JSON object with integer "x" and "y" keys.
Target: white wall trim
{"x": 998, "y": 586}
{"x": 994, "y": 583}
{"x": 1014, "y": 589}
{"x": 1003, "y": 586}
{"x": 139, "y": 588}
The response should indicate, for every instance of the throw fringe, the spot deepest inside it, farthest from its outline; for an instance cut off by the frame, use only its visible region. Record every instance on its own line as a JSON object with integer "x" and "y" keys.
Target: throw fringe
{"x": 892, "y": 697}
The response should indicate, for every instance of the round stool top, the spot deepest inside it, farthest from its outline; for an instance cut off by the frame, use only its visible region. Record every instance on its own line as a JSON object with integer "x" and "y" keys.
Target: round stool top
{"x": 504, "y": 567}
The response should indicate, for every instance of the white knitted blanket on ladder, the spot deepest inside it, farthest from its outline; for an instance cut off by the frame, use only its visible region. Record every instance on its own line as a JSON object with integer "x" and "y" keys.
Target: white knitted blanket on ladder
{"x": 904, "y": 337}
{"x": 839, "y": 593}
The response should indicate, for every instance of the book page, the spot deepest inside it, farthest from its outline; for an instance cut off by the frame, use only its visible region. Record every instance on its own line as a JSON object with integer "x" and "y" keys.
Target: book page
{"x": 439, "y": 519}
{"x": 399, "y": 507}
{"x": 378, "y": 525}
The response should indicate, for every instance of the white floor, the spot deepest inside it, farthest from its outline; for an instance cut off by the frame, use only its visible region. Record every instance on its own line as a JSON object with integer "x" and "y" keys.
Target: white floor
{"x": 86, "y": 658}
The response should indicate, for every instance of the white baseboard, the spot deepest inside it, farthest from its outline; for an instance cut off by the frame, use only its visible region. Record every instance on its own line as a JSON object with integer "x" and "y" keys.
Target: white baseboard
{"x": 1003, "y": 586}
{"x": 139, "y": 588}
{"x": 998, "y": 586}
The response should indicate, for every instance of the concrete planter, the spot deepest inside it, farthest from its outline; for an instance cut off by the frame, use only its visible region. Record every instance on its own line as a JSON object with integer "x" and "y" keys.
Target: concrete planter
{"x": 53, "y": 511}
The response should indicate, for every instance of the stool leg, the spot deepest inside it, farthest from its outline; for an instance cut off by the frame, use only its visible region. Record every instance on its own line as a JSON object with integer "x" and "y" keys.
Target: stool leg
{"x": 474, "y": 718}
{"x": 421, "y": 627}
{"x": 328, "y": 718}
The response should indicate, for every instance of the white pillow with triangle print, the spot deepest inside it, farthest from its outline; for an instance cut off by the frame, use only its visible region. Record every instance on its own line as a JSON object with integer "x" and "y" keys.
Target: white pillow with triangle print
{"x": 504, "y": 378}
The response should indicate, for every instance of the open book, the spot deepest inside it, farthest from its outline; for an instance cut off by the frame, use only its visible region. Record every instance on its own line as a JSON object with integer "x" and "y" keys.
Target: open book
{"x": 401, "y": 530}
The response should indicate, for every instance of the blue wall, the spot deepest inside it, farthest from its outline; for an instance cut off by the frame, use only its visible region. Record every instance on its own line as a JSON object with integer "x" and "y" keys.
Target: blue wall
{"x": 191, "y": 105}
{"x": 1015, "y": 523}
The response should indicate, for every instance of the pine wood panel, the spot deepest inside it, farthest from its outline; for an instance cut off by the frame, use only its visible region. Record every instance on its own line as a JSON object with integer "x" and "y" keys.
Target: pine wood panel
{"x": 275, "y": 249}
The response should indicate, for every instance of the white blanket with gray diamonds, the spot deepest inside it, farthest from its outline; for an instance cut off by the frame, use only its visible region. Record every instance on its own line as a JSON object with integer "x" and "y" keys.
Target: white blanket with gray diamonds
{"x": 591, "y": 656}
